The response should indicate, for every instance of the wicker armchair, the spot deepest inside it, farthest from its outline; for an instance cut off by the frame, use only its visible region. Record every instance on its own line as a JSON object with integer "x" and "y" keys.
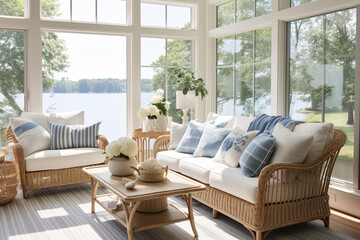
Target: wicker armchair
{"x": 35, "y": 181}
{"x": 304, "y": 185}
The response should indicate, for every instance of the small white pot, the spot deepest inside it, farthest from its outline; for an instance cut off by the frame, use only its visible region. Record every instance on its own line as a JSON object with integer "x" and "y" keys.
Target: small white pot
{"x": 121, "y": 166}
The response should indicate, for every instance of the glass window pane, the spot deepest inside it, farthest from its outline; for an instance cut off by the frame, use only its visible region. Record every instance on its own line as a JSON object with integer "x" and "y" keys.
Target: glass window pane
{"x": 294, "y": 3}
{"x": 306, "y": 81}
{"x": 153, "y": 52}
{"x": 178, "y": 17}
{"x": 263, "y": 45}
{"x": 225, "y": 51}
{"x": 244, "y": 91}
{"x": 262, "y": 89}
{"x": 111, "y": 11}
{"x": 244, "y": 48}
{"x": 339, "y": 101}
{"x": 176, "y": 114}
{"x": 13, "y": 8}
{"x": 151, "y": 80}
{"x": 225, "y": 91}
{"x": 306, "y": 39}
{"x": 75, "y": 78}
{"x": 12, "y": 78}
{"x": 225, "y": 13}
{"x": 152, "y": 15}
{"x": 341, "y": 33}
{"x": 263, "y": 7}
{"x": 83, "y": 10}
{"x": 178, "y": 52}
{"x": 245, "y": 9}
{"x": 59, "y": 10}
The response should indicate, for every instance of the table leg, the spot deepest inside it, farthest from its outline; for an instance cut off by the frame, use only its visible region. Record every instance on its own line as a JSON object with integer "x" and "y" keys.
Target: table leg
{"x": 94, "y": 187}
{"x": 130, "y": 220}
{"x": 188, "y": 199}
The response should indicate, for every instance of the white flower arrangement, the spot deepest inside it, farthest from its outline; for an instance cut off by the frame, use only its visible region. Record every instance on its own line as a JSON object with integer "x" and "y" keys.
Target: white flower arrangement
{"x": 123, "y": 147}
{"x": 158, "y": 106}
{"x": 151, "y": 165}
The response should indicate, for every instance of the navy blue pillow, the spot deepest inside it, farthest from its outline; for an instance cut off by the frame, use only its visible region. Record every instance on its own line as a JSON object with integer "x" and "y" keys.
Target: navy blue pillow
{"x": 257, "y": 154}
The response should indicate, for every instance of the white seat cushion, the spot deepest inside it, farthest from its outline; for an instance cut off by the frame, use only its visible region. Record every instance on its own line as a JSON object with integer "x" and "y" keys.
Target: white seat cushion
{"x": 232, "y": 181}
{"x": 171, "y": 158}
{"x": 199, "y": 168}
{"x": 64, "y": 158}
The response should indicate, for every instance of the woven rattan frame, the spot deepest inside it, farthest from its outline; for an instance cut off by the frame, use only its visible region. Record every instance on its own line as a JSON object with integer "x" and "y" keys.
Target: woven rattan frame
{"x": 304, "y": 186}
{"x": 34, "y": 181}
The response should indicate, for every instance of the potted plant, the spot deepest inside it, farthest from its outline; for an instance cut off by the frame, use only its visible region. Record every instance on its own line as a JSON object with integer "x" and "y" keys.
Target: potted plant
{"x": 190, "y": 87}
{"x": 155, "y": 114}
{"x": 121, "y": 154}
{"x": 186, "y": 81}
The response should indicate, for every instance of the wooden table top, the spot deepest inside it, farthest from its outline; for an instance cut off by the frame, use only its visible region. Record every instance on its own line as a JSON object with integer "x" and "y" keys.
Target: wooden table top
{"x": 174, "y": 184}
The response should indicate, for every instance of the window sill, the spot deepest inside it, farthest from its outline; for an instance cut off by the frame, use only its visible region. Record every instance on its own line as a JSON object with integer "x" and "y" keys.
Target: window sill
{"x": 345, "y": 200}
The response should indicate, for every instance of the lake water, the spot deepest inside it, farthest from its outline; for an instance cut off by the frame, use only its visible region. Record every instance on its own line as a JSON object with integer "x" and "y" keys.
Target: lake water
{"x": 109, "y": 108}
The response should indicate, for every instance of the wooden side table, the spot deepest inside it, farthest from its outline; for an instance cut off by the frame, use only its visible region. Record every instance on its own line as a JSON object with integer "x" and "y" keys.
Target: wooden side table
{"x": 142, "y": 140}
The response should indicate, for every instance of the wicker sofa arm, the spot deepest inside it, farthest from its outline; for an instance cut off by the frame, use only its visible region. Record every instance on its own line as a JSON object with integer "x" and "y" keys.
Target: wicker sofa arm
{"x": 161, "y": 144}
{"x": 102, "y": 142}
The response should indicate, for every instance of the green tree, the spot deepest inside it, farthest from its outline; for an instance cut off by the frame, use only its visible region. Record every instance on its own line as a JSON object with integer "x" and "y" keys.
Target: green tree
{"x": 12, "y": 58}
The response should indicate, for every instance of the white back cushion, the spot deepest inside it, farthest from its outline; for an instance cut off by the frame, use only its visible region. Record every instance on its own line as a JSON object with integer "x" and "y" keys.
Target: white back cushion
{"x": 70, "y": 118}
{"x": 243, "y": 122}
{"x": 220, "y": 119}
{"x": 322, "y": 133}
{"x": 291, "y": 147}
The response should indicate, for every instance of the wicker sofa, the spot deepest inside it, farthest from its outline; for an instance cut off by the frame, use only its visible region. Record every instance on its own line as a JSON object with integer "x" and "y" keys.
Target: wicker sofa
{"x": 53, "y": 168}
{"x": 282, "y": 195}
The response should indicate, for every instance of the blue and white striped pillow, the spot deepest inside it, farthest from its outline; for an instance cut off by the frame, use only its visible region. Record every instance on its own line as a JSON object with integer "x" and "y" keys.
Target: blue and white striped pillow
{"x": 257, "y": 154}
{"x": 60, "y": 135}
{"x": 73, "y": 136}
{"x": 85, "y": 136}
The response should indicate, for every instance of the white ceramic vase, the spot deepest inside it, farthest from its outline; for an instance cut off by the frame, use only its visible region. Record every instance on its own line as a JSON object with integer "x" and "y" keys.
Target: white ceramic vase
{"x": 119, "y": 166}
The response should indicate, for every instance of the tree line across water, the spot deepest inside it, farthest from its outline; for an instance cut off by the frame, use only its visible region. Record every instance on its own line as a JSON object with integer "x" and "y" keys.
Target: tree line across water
{"x": 100, "y": 85}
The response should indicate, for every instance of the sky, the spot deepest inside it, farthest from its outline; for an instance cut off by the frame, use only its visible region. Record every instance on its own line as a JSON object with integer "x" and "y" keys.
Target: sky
{"x": 104, "y": 56}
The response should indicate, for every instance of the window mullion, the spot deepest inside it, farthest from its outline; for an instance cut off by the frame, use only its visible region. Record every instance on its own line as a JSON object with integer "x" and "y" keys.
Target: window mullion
{"x": 324, "y": 70}
{"x": 253, "y": 71}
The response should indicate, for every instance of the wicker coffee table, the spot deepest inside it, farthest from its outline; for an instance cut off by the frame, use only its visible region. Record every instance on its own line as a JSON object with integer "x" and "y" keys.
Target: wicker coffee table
{"x": 174, "y": 184}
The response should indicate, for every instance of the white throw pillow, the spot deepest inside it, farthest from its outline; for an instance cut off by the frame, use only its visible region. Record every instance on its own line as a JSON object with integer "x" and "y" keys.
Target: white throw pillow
{"x": 322, "y": 133}
{"x": 243, "y": 122}
{"x": 30, "y": 135}
{"x": 233, "y": 147}
{"x": 221, "y": 119}
{"x": 69, "y": 118}
{"x": 291, "y": 147}
{"x": 176, "y": 133}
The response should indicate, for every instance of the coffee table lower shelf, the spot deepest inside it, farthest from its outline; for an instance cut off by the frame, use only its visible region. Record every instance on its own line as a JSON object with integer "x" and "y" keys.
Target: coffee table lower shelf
{"x": 144, "y": 221}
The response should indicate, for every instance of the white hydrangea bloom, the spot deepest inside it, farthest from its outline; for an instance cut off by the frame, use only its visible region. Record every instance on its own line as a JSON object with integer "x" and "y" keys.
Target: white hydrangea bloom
{"x": 153, "y": 110}
{"x": 156, "y": 99}
{"x": 123, "y": 145}
{"x": 113, "y": 149}
{"x": 167, "y": 105}
{"x": 160, "y": 92}
{"x": 142, "y": 113}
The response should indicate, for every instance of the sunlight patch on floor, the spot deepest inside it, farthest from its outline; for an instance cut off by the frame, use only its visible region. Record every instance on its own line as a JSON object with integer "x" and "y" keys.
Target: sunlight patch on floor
{"x": 55, "y": 212}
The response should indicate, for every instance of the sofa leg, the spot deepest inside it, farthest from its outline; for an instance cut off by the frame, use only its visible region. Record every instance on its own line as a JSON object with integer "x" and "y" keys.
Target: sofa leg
{"x": 259, "y": 235}
{"x": 25, "y": 194}
{"x": 215, "y": 214}
{"x": 326, "y": 221}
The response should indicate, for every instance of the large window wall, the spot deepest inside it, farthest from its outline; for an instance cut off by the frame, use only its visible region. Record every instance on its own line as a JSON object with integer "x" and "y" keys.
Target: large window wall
{"x": 322, "y": 77}
{"x": 87, "y": 55}
{"x": 158, "y": 58}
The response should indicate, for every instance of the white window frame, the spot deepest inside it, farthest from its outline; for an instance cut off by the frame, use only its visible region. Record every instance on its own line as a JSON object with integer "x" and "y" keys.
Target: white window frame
{"x": 33, "y": 26}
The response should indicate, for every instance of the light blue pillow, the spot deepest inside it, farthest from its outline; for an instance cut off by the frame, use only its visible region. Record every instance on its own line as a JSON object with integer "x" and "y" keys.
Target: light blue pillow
{"x": 257, "y": 154}
{"x": 193, "y": 133}
{"x": 64, "y": 136}
{"x": 210, "y": 141}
